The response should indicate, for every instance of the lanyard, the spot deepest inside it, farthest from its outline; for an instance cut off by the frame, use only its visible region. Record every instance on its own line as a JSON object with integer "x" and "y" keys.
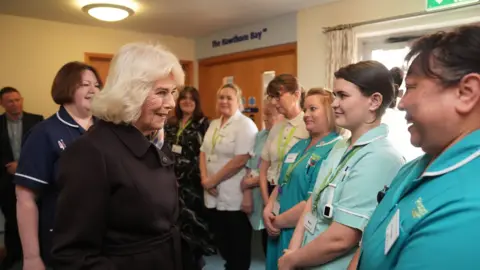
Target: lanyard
{"x": 216, "y": 136}
{"x": 329, "y": 179}
{"x": 181, "y": 128}
{"x": 282, "y": 147}
{"x": 215, "y": 139}
{"x": 293, "y": 165}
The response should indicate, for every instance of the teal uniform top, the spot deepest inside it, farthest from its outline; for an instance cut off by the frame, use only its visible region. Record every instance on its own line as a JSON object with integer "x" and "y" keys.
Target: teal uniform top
{"x": 348, "y": 183}
{"x": 256, "y": 217}
{"x": 297, "y": 179}
{"x": 431, "y": 212}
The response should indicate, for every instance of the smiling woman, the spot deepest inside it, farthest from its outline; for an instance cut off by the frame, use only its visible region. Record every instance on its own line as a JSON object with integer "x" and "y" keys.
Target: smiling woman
{"x": 36, "y": 196}
{"x": 223, "y": 156}
{"x": 120, "y": 212}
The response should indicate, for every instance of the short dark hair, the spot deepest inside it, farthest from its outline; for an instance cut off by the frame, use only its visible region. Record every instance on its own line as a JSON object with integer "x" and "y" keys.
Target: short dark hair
{"x": 288, "y": 83}
{"x": 397, "y": 75}
{"x": 447, "y": 56}
{"x": 6, "y": 90}
{"x": 67, "y": 80}
{"x": 197, "y": 113}
{"x": 370, "y": 77}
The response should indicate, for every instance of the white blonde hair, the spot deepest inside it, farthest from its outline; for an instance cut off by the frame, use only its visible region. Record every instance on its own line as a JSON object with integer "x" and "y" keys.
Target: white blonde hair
{"x": 133, "y": 72}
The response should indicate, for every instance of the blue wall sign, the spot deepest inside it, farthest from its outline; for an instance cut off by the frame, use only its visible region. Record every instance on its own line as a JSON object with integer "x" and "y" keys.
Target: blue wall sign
{"x": 254, "y": 35}
{"x": 274, "y": 31}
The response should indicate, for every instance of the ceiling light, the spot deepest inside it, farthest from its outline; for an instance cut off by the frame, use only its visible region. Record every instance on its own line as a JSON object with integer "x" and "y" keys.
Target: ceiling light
{"x": 108, "y": 12}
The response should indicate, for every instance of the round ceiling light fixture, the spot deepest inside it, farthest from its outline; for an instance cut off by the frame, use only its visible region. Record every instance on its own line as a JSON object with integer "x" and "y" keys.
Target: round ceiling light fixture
{"x": 108, "y": 12}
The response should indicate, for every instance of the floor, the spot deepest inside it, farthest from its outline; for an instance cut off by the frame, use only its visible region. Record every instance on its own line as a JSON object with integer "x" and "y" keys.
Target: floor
{"x": 216, "y": 262}
{"x": 258, "y": 258}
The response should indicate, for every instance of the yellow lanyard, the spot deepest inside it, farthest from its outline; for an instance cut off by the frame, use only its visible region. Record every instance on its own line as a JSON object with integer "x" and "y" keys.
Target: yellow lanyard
{"x": 292, "y": 166}
{"x": 215, "y": 139}
{"x": 181, "y": 128}
{"x": 216, "y": 136}
{"x": 282, "y": 147}
{"x": 329, "y": 179}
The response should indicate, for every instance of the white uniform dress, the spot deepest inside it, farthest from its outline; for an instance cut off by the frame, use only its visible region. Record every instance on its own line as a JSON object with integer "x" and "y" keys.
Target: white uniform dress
{"x": 220, "y": 145}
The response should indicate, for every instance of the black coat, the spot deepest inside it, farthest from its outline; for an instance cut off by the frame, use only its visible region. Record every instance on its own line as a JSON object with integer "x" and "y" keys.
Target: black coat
{"x": 6, "y": 155}
{"x": 117, "y": 204}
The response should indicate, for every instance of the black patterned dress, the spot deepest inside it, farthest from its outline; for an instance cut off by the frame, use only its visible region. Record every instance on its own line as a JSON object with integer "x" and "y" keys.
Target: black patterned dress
{"x": 193, "y": 216}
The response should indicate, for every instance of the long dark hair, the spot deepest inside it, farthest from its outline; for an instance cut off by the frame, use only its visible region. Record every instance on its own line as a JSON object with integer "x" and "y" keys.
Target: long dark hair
{"x": 197, "y": 112}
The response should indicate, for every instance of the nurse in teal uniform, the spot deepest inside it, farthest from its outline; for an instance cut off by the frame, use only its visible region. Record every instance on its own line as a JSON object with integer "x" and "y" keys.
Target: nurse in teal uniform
{"x": 345, "y": 193}
{"x": 429, "y": 217}
{"x": 299, "y": 170}
{"x": 252, "y": 203}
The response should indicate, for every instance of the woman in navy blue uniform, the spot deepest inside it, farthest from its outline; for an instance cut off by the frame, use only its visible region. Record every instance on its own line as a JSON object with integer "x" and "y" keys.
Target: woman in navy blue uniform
{"x": 73, "y": 88}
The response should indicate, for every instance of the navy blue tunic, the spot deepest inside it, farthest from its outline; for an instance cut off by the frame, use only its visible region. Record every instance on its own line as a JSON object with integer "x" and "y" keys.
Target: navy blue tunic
{"x": 38, "y": 165}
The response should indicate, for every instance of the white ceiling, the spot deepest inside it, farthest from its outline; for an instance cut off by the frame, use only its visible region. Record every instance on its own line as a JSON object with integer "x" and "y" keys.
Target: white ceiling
{"x": 187, "y": 18}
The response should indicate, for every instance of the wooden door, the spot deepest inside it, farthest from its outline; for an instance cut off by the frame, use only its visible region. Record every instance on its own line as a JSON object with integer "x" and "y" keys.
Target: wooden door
{"x": 188, "y": 69}
{"x": 101, "y": 62}
{"x": 247, "y": 70}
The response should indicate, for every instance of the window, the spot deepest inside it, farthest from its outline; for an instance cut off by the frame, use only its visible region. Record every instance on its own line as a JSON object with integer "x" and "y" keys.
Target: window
{"x": 393, "y": 55}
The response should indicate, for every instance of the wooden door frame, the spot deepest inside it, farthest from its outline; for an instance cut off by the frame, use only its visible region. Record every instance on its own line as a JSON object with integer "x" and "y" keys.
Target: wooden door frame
{"x": 189, "y": 64}
{"x": 257, "y": 53}
{"x": 189, "y": 72}
{"x": 89, "y": 55}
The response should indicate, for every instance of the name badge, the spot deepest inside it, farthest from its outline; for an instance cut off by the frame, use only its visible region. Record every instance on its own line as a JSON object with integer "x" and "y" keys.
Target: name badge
{"x": 212, "y": 158}
{"x": 392, "y": 232}
{"x": 276, "y": 208}
{"x": 291, "y": 158}
{"x": 310, "y": 222}
{"x": 176, "y": 149}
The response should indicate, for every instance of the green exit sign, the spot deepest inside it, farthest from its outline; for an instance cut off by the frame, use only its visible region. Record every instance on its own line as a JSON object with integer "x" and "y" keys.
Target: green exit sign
{"x": 443, "y": 4}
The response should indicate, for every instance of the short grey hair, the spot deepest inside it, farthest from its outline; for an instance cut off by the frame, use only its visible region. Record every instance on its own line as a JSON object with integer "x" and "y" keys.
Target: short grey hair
{"x": 134, "y": 70}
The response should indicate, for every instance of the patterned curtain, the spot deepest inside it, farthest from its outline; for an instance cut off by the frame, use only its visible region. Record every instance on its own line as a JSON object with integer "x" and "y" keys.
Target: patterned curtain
{"x": 341, "y": 48}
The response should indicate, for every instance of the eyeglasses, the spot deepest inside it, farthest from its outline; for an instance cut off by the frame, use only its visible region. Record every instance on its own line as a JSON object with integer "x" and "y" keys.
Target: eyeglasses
{"x": 276, "y": 97}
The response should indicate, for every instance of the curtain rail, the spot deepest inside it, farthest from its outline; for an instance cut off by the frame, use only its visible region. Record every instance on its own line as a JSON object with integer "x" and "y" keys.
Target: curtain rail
{"x": 409, "y": 15}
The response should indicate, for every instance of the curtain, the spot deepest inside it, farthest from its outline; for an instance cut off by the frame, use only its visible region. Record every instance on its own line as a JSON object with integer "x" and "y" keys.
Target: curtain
{"x": 341, "y": 48}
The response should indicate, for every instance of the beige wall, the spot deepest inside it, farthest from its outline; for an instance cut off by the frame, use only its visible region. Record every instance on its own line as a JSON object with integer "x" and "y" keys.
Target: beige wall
{"x": 32, "y": 51}
{"x": 311, "y": 41}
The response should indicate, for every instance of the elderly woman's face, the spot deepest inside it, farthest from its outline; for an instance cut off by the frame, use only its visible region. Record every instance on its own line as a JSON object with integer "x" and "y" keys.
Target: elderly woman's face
{"x": 157, "y": 105}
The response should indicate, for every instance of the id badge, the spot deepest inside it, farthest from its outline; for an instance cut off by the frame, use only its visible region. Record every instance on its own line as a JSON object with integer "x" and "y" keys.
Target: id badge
{"x": 176, "y": 149}
{"x": 310, "y": 222}
{"x": 291, "y": 158}
{"x": 276, "y": 208}
{"x": 392, "y": 232}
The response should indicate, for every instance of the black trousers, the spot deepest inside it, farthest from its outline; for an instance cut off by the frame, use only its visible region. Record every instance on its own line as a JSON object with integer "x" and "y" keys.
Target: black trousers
{"x": 233, "y": 236}
{"x": 12, "y": 237}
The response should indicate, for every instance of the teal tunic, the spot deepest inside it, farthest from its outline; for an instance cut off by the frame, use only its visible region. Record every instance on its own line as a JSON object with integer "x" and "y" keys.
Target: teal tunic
{"x": 437, "y": 209}
{"x": 354, "y": 177}
{"x": 256, "y": 217}
{"x": 298, "y": 187}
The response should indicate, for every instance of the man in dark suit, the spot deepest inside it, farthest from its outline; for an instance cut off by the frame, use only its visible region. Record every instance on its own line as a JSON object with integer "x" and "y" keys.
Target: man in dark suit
{"x": 14, "y": 124}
